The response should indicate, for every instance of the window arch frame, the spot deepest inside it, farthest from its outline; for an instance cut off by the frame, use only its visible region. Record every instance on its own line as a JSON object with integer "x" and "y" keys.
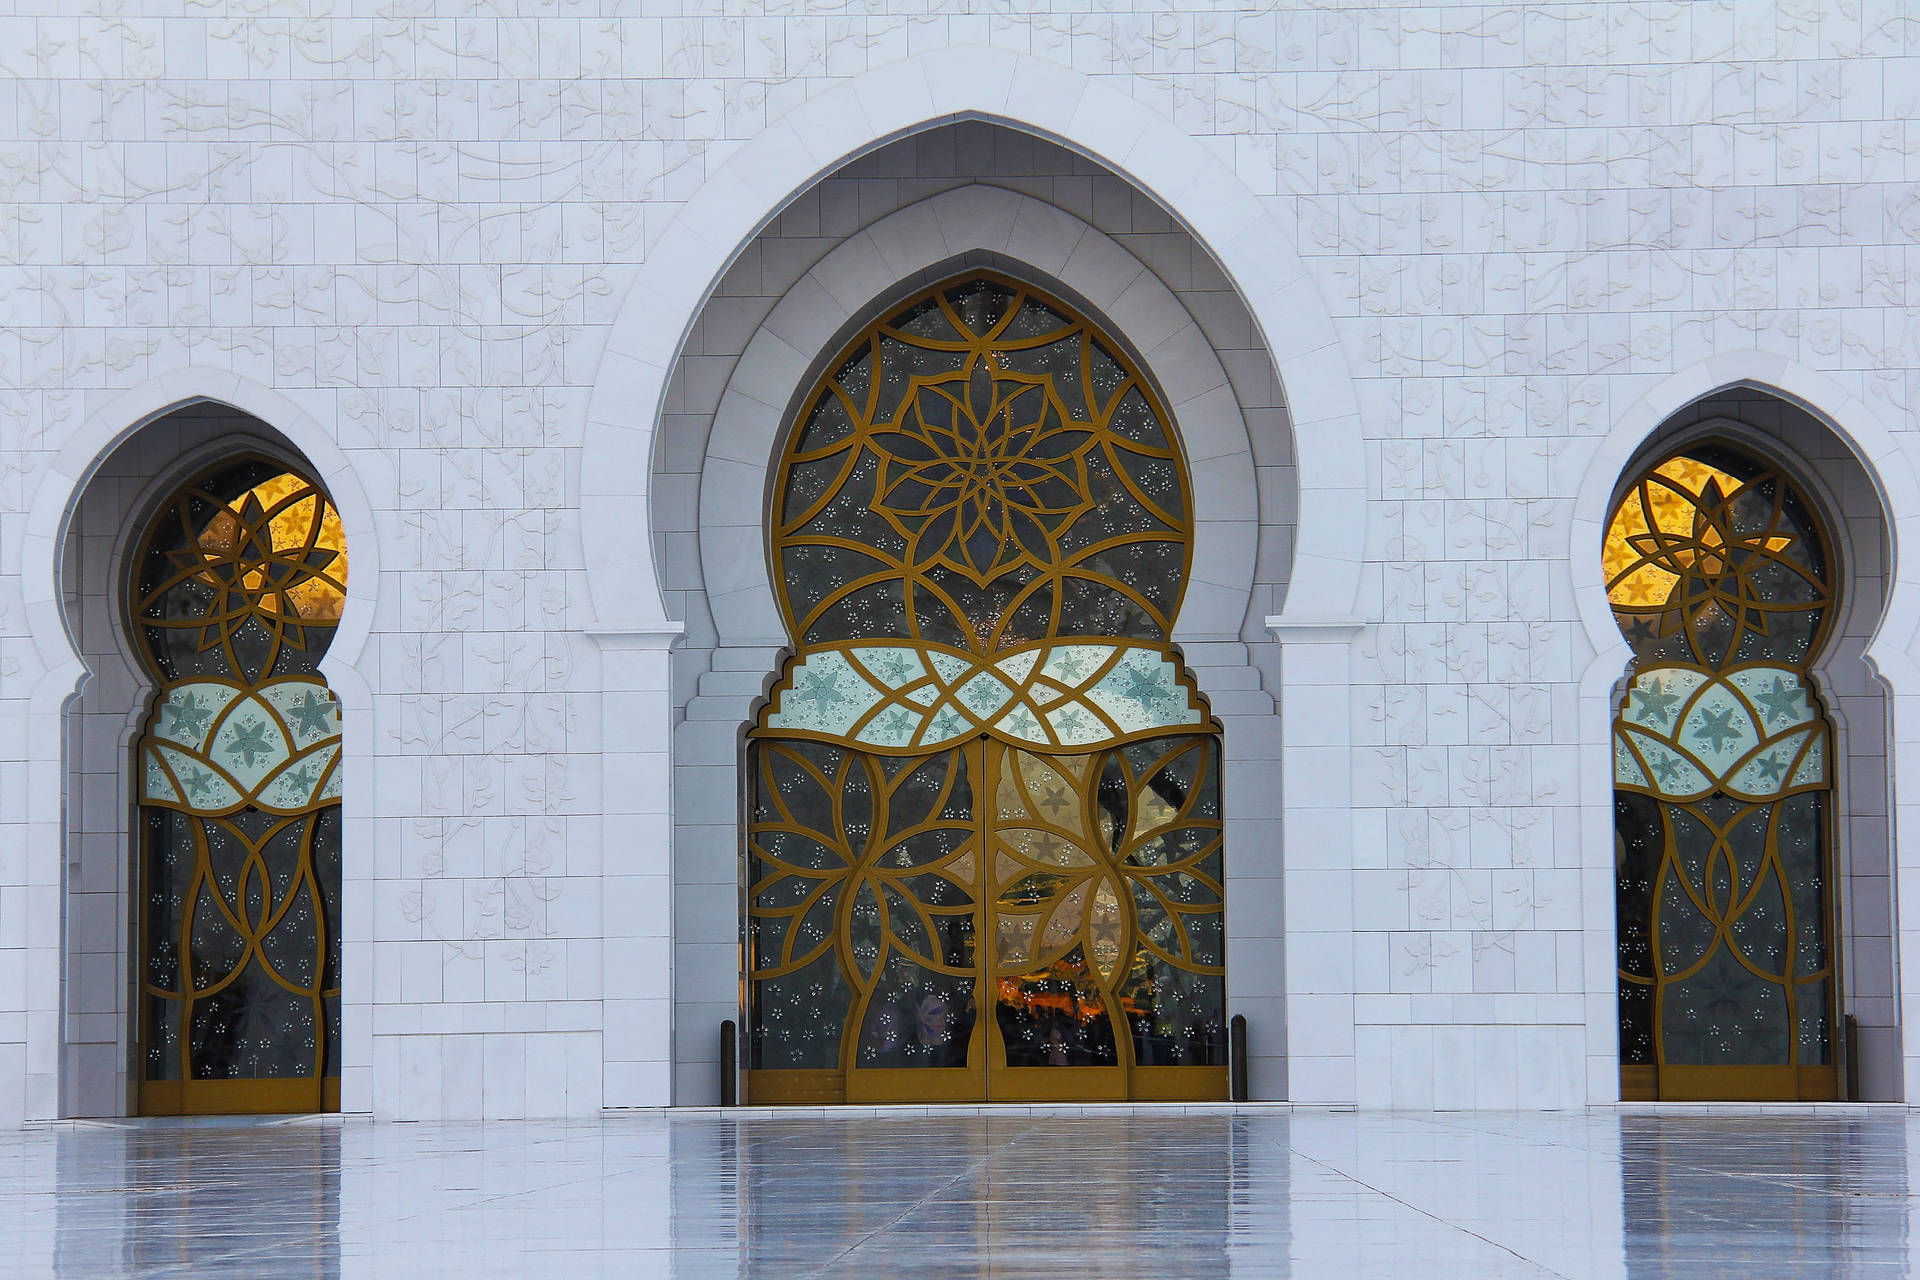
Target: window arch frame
{"x": 868, "y": 317}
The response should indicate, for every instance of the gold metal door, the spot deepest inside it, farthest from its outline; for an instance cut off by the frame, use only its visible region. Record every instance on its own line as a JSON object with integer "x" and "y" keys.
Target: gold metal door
{"x": 1104, "y": 899}
{"x": 983, "y": 830}
{"x": 1075, "y": 899}
{"x": 1721, "y": 577}
{"x": 235, "y": 597}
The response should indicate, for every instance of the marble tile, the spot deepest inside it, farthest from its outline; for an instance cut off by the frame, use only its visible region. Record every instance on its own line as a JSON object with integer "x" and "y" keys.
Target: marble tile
{"x": 1055, "y": 1192}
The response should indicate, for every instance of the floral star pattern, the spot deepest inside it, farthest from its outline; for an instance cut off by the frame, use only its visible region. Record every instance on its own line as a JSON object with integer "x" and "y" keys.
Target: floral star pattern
{"x": 1712, "y": 559}
{"x": 249, "y": 740}
{"x": 312, "y": 716}
{"x": 187, "y": 717}
{"x": 980, "y": 469}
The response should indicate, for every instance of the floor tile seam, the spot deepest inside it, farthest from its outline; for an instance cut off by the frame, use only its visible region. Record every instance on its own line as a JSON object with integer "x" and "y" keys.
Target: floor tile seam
{"x": 1445, "y": 1120}
{"x": 972, "y": 1167}
{"x": 1436, "y": 1218}
{"x": 1435, "y": 1120}
{"x": 1773, "y": 1180}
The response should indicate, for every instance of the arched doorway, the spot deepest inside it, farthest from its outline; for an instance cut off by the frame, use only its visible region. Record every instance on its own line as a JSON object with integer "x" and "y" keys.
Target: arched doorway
{"x": 1723, "y": 578}
{"x": 984, "y": 817}
{"x": 235, "y": 590}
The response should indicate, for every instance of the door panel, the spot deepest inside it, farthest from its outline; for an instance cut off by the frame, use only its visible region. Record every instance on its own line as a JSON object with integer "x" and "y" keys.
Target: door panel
{"x": 1094, "y": 879}
{"x": 1720, "y": 575}
{"x": 234, "y": 598}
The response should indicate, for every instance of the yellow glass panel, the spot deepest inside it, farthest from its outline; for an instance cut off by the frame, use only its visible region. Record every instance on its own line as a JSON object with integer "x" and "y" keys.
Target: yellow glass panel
{"x": 1658, "y": 513}
{"x": 289, "y": 519}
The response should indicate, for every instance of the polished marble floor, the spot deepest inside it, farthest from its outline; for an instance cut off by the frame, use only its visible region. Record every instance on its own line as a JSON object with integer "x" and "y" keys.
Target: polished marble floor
{"x": 1099, "y": 1192}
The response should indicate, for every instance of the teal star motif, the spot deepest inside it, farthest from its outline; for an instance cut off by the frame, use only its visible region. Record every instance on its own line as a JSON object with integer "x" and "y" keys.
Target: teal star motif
{"x": 1781, "y": 701}
{"x": 822, "y": 688}
{"x": 1071, "y": 721}
{"x": 1022, "y": 723}
{"x": 1772, "y": 766}
{"x": 187, "y": 718}
{"x": 1143, "y": 686}
{"x": 301, "y": 779}
{"x": 249, "y": 741}
{"x": 310, "y": 714}
{"x": 946, "y": 724}
{"x": 1656, "y": 704}
{"x": 1070, "y": 665}
{"x": 199, "y": 783}
{"x": 1717, "y": 730}
{"x": 892, "y": 667}
{"x": 895, "y": 723}
{"x": 1666, "y": 769}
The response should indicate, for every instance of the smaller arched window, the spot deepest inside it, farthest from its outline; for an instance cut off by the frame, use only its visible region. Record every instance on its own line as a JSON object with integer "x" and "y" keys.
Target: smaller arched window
{"x": 237, "y": 589}
{"x": 1721, "y": 577}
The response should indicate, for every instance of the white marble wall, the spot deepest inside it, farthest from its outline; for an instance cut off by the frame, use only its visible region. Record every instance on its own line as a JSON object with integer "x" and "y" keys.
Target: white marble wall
{"x": 1487, "y": 250}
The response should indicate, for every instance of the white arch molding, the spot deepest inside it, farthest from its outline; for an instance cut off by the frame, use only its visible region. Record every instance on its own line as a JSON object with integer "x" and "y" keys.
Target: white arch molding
{"x": 1891, "y": 655}
{"x": 1032, "y": 95}
{"x": 62, "y": 672}
{"x": 964, "y": 228}
{"x": 750, "y": 422}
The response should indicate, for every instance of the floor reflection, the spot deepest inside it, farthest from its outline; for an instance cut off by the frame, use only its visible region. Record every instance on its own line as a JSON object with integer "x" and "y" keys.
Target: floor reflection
{"x": 1760, "y": 1196}
{"x": 185, "y": 1197}
{"x": 1147, "y": 1194}
{"x": 960, "y": 1194}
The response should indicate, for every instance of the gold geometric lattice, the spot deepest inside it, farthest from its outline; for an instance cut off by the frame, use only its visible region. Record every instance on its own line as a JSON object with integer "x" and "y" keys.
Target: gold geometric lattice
{"x": 1718, "y": 571}
{"x": 1076, "y": 899}
{"x": 237, "y": 593}
{"x": 1693, "y": 547}
{"x": 984, "y": 838}
{"x": 981, "y": 469}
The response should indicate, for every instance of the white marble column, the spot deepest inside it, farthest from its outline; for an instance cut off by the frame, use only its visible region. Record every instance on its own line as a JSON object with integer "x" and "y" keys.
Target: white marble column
{"x": 637, "y": 872}
{"x": 1317, "y": 854}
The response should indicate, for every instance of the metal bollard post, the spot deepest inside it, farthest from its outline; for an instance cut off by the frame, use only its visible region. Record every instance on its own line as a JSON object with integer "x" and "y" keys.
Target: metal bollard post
{"x": 1237, "y": 1057}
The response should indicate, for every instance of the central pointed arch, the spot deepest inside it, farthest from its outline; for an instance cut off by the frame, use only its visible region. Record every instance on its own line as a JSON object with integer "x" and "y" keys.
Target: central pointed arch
{"x": 968, "y": 82}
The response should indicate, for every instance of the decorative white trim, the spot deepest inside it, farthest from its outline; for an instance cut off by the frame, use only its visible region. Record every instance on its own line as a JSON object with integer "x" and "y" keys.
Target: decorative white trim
{"x": 1288, "y": 626}
{"x": 1317, "y": 853}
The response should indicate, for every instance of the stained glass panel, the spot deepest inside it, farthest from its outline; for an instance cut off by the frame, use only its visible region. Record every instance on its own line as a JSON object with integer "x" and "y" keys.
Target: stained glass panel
{"x": 1719, "y": 575}
{"x": 982, "y": 469}
{"x": 984, "y": 832}
{"x": 236, "y": 594}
